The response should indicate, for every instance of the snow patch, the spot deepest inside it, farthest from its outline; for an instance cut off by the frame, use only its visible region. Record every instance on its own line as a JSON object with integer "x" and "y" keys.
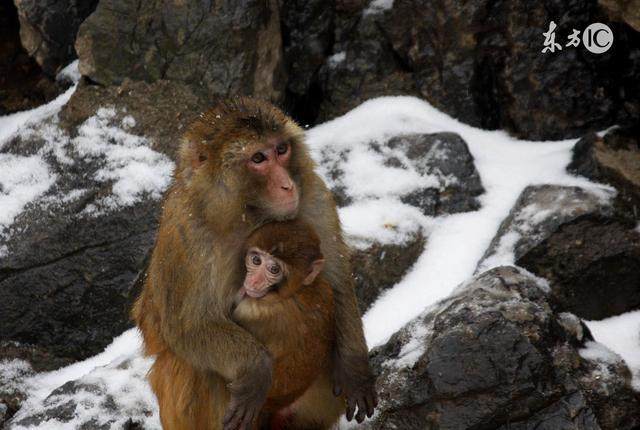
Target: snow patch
{"x": 387, "y": 221}
{"x": 127, "y": 161}
{"x": 22, "y": 180}
{"x": 602, "y": 356}
{"x": 414, "y": 348}
{"x": 456, "y": 243}
{"x": 70, "y": 73}
{"x": 620, "y": 334}
{"x": 337, "y": 58}
{"x": 112, "y": 388}
{"x": 378, "y": 6}
{"x": 13, "y": 374}
{"x": 11, "y": 124}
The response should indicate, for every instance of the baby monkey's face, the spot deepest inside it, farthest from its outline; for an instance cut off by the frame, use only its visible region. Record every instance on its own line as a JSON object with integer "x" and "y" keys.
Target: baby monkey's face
{"x": 263, "y": 272}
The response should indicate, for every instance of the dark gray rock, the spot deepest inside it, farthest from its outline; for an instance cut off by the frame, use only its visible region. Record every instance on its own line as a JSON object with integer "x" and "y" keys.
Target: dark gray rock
{"x": 307, "y": 34}
{"x": 4, "y": 412}
{"x": 225, "y": 48}
{"x": 381, "y": 266}
{"x": 362, "y": 64}
{"x": 71, "y": 259}
{"x": 447, "y": 156}
{"x": 613, "y": 159}
{"x": 592, "y": 265}
{"x": 48, "y": 29}
{"x": 576, "y": 240}
{"x": 23, "y": 85}
{"x": 482, "y": 63}
{"x": 67, "y": 283}
{"x": 539, "y": 211}
{"x": 495, "y": 355}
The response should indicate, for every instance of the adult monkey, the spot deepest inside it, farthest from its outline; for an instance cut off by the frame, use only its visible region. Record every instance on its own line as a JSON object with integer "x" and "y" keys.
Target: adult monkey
{"x": 242, "y": 164}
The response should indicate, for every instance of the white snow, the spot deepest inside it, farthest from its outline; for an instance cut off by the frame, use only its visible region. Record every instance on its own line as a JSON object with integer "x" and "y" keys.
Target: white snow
{"x": 22, "y": 180}
{"x": 457, "y": 242}
{"x": 119, "y": 372}
{"x": 602, "y": 356}
{"x": 128, "y": 161}
{"x": 13, "y": 374}
{"x": 387, "y": 220}
{"x": 337, "y": 58}
{"x": 70, "y": 72}
{"x": 378, "y": 6}
{"x": 414, "y": 348}
{"x": 621, "y": 334}
{"x": 10, "y": 124}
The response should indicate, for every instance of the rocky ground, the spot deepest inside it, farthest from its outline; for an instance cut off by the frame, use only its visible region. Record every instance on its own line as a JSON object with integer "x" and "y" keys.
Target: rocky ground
{"x": 482, "y": 259}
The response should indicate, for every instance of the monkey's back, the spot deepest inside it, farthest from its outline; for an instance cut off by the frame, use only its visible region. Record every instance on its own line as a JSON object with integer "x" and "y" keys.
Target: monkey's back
{"x": 298, "y": 332}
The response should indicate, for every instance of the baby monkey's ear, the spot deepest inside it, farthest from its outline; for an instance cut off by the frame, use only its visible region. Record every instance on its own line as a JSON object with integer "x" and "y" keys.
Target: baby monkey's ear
{"x": 314, "y": 270}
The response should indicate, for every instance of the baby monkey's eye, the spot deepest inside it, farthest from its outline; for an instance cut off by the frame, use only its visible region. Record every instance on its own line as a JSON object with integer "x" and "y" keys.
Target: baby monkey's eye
{"x": 258, "y": 157}
{"x": 274, "y": 269}
{"x": 282, "y": 148}
{"x": 255, "y": 259}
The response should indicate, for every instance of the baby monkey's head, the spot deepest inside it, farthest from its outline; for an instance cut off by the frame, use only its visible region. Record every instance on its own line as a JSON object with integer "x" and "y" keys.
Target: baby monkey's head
{"x": 280, "y": 258}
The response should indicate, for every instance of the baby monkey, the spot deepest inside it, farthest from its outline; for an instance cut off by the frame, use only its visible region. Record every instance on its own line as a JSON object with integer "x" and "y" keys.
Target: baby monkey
{"x": 288, "y": 306}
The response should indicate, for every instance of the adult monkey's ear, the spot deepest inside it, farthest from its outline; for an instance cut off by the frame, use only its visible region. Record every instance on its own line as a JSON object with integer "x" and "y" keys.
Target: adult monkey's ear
{"x": 316, "y": 268}
{"x": 192, "y": 155}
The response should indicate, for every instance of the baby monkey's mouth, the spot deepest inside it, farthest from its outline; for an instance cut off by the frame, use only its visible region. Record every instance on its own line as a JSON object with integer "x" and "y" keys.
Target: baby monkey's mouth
{"x": 257, "y": 294}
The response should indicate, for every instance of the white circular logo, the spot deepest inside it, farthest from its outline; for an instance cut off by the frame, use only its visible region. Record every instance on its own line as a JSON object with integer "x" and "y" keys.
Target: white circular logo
{"x": 597, "y": 38}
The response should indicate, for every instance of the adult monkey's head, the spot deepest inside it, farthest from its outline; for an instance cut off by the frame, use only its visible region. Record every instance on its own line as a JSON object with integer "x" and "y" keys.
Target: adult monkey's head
{"x": 244, "y": 158}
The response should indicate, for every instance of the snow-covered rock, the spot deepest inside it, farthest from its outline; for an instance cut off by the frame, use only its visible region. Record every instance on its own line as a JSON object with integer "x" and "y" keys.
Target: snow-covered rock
{"x": 614, "y": 159}
{"x": 578, "y": 240}
{"x": 77, "y": 222}
{"x": 495, "y": 355}
{"x": 433, "y": 172}
{"x": 539, "y": 211}
{"x": 112, "y": 396}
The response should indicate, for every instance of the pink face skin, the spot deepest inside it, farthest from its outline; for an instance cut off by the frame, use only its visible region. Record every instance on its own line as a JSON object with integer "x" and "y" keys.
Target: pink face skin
{"x": 272, "y": 162}
{"x": 263, "y": 271}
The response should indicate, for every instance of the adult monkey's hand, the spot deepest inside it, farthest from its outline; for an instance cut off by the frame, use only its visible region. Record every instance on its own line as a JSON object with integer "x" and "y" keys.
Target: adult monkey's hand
{"x": 248, "y": 394}
{"x": 353, "y": 380}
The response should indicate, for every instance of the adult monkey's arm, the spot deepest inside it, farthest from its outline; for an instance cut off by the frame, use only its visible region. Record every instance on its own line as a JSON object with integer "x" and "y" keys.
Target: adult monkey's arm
{"x": 352, "y": 372}
{"x": 193, "y": 296}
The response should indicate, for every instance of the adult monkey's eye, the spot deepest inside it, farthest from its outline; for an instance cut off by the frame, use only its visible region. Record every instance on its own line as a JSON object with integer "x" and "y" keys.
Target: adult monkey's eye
{"x": 258, "y": 157}
{"x": 282, "y": 148}
{"x": 274, "y": 269}
{"x": 255, "y": 259}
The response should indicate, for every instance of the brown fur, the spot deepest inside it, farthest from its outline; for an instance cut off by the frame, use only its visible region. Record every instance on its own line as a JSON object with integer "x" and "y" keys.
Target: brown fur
{"x": 296, "y": 324}
{"x": 184, "y": 310}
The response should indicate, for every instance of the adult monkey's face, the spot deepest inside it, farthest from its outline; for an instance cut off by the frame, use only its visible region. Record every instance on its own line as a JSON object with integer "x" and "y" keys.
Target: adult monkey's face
{"x": 245, "y": 157}
{"x": 270, "y": 163}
